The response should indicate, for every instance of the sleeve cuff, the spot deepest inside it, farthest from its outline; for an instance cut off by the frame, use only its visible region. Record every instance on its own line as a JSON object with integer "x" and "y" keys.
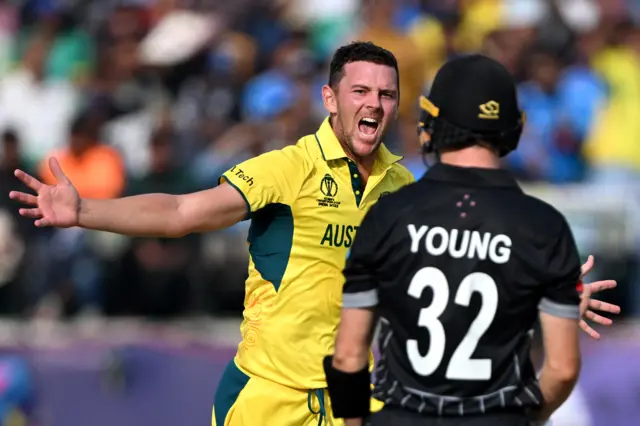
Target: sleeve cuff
{"x": 559, "y": 310}
{"x": 223, "y": 179}
{"x": 363, "y": 299}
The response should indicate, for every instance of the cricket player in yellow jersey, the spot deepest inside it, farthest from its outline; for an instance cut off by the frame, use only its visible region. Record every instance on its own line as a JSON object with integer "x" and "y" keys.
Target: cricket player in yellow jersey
{"x": 305, "y": 203}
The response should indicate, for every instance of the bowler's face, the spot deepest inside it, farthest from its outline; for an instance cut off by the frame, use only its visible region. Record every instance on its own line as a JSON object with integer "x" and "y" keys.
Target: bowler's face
{"x": 366, "y": 104}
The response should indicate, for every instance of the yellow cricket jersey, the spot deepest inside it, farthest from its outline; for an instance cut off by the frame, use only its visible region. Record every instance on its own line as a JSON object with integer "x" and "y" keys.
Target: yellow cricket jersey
{"x": 306, "y": 202}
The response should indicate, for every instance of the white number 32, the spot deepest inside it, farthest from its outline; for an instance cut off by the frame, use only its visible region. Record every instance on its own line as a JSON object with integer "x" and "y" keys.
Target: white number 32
{"x": 461, "y": 366}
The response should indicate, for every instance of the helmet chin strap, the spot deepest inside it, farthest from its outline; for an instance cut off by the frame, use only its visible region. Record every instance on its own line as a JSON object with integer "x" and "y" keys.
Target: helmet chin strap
{"x": 426, "y": 155}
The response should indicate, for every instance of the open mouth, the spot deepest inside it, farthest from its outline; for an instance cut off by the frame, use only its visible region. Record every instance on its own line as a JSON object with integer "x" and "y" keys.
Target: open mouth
{"x": 368, "y": 126}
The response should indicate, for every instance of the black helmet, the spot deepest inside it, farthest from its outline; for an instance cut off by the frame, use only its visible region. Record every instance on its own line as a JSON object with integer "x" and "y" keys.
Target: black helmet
{"x": 472, "y": 98}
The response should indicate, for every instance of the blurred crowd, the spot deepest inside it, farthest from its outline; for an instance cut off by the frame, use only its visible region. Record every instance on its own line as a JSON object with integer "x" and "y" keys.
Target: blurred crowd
{"x": 164, "y": 95}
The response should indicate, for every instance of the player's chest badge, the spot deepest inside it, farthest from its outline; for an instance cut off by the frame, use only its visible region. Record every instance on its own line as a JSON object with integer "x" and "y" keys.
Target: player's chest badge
{"x": 329, "y": 191}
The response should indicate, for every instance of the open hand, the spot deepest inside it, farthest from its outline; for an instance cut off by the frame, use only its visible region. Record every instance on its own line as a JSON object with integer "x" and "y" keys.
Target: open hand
{"x": 589, "y": 305}
{"x": 53, "y": 205}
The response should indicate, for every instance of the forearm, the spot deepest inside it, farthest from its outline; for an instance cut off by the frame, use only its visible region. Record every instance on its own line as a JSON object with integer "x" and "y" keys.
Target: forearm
{"x": 149, "y": 215}
{"x": 556, "y": 388}
{"x": 348, "y": 378}
{"x": 353, "y": 341}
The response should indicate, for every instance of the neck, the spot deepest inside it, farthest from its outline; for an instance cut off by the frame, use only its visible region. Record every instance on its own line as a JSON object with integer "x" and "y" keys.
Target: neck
{"x": 365, "y": 164}
{"x": 474, "y": 156}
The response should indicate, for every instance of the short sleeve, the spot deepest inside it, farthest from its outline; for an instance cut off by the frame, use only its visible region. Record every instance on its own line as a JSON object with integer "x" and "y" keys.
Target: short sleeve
{"x": 561, "y": 297}
{"x": 271, "y": 178}
{"x": 361, "y": 288}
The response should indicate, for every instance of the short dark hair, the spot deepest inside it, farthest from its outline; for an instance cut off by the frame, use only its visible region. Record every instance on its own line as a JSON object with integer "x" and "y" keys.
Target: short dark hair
{"x": 359, "y": 51}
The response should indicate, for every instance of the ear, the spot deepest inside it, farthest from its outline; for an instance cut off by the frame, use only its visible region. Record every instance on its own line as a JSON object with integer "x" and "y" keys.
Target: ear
{"x": 329, "y": 99}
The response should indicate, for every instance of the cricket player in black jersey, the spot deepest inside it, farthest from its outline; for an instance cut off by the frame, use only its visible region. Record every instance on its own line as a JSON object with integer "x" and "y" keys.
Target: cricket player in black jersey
{"x": 458, "y": 268}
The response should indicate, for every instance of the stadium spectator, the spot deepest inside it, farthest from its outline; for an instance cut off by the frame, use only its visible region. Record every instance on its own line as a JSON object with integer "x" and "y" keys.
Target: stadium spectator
{"x": 612, "y": 148}
{"x": 560, "y": 104}
{"x": 98, "y": 167}
{"x": 38, "y": 108}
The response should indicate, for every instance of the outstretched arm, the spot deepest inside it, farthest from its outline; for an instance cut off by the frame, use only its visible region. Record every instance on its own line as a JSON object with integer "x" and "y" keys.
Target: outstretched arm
{"x": 273, "y": 177}
{"x": 165, "y": 215}
{"x": 161, "y": 215}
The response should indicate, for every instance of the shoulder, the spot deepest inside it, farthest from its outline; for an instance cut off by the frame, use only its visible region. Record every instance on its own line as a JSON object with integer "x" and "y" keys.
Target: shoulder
{"x": 103, "y": 151}
{"x": 390, "y": 208}
{"x": 291, "y": 156}
{"x": 546, "y": 218}
{"x": 309, "y": 145}
{"x": 403, "y": 175}
{"x": 306, "y": 153}
{"x": 290, "y": 163}
{"x": 60, "y": 154}
{"x": 577, "y": 78}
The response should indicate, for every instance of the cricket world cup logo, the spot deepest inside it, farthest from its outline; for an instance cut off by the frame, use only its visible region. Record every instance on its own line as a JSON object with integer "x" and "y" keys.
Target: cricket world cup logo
{"x": 328, "y": 186}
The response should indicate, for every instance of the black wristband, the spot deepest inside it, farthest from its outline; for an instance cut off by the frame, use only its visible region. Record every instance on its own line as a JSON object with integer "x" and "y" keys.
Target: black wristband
{"x": 350, "y": 393}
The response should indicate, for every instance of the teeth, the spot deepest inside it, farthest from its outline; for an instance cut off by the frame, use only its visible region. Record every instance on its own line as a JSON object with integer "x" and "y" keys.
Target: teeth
{"x": 370, "y": 120}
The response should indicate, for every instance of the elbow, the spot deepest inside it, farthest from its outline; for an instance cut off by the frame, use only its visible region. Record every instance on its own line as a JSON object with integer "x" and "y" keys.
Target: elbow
{"x": 178, "y": 227}
{"x": 571, "y": 373}
{"x": 566, "y": 372}
{"x": 350, "y": 361}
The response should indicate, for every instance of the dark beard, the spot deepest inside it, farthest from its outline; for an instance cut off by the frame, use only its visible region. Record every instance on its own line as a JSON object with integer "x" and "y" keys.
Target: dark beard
{"x": 338, "y": 130}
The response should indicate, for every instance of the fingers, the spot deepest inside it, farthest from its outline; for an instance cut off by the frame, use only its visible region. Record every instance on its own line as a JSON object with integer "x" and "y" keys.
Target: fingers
{"x": 32, "y": 213}
{"x": 35, "y": 214}
{"x": 587, "y": 267}
{"x": 598, "y": 305}
{"x": 587, "y": 329}
{"x": 28, "y": 180}
{"x": 599, "y": 319}
{"x": 57, "y": 171}
{"x": 601, "y": 285}
{"x": 24, "y": 198}
{"x": 41, "y": 223}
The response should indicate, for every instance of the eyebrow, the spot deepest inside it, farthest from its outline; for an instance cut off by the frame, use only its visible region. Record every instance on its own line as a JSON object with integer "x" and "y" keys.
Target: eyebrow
{"x": 364, "y": 86}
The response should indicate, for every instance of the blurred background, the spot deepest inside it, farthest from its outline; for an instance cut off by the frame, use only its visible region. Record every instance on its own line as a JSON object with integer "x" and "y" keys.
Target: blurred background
{"x": 164, "y": 95}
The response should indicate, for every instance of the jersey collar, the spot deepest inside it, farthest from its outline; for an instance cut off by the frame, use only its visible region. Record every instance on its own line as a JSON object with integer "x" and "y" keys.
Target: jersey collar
{"x": 332, "y": 150}
{"x": 470, "y": 176}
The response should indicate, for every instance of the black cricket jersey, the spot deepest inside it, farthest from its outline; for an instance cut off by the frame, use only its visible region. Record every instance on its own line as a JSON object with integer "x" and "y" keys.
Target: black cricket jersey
{"x": 458, "y": 266}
